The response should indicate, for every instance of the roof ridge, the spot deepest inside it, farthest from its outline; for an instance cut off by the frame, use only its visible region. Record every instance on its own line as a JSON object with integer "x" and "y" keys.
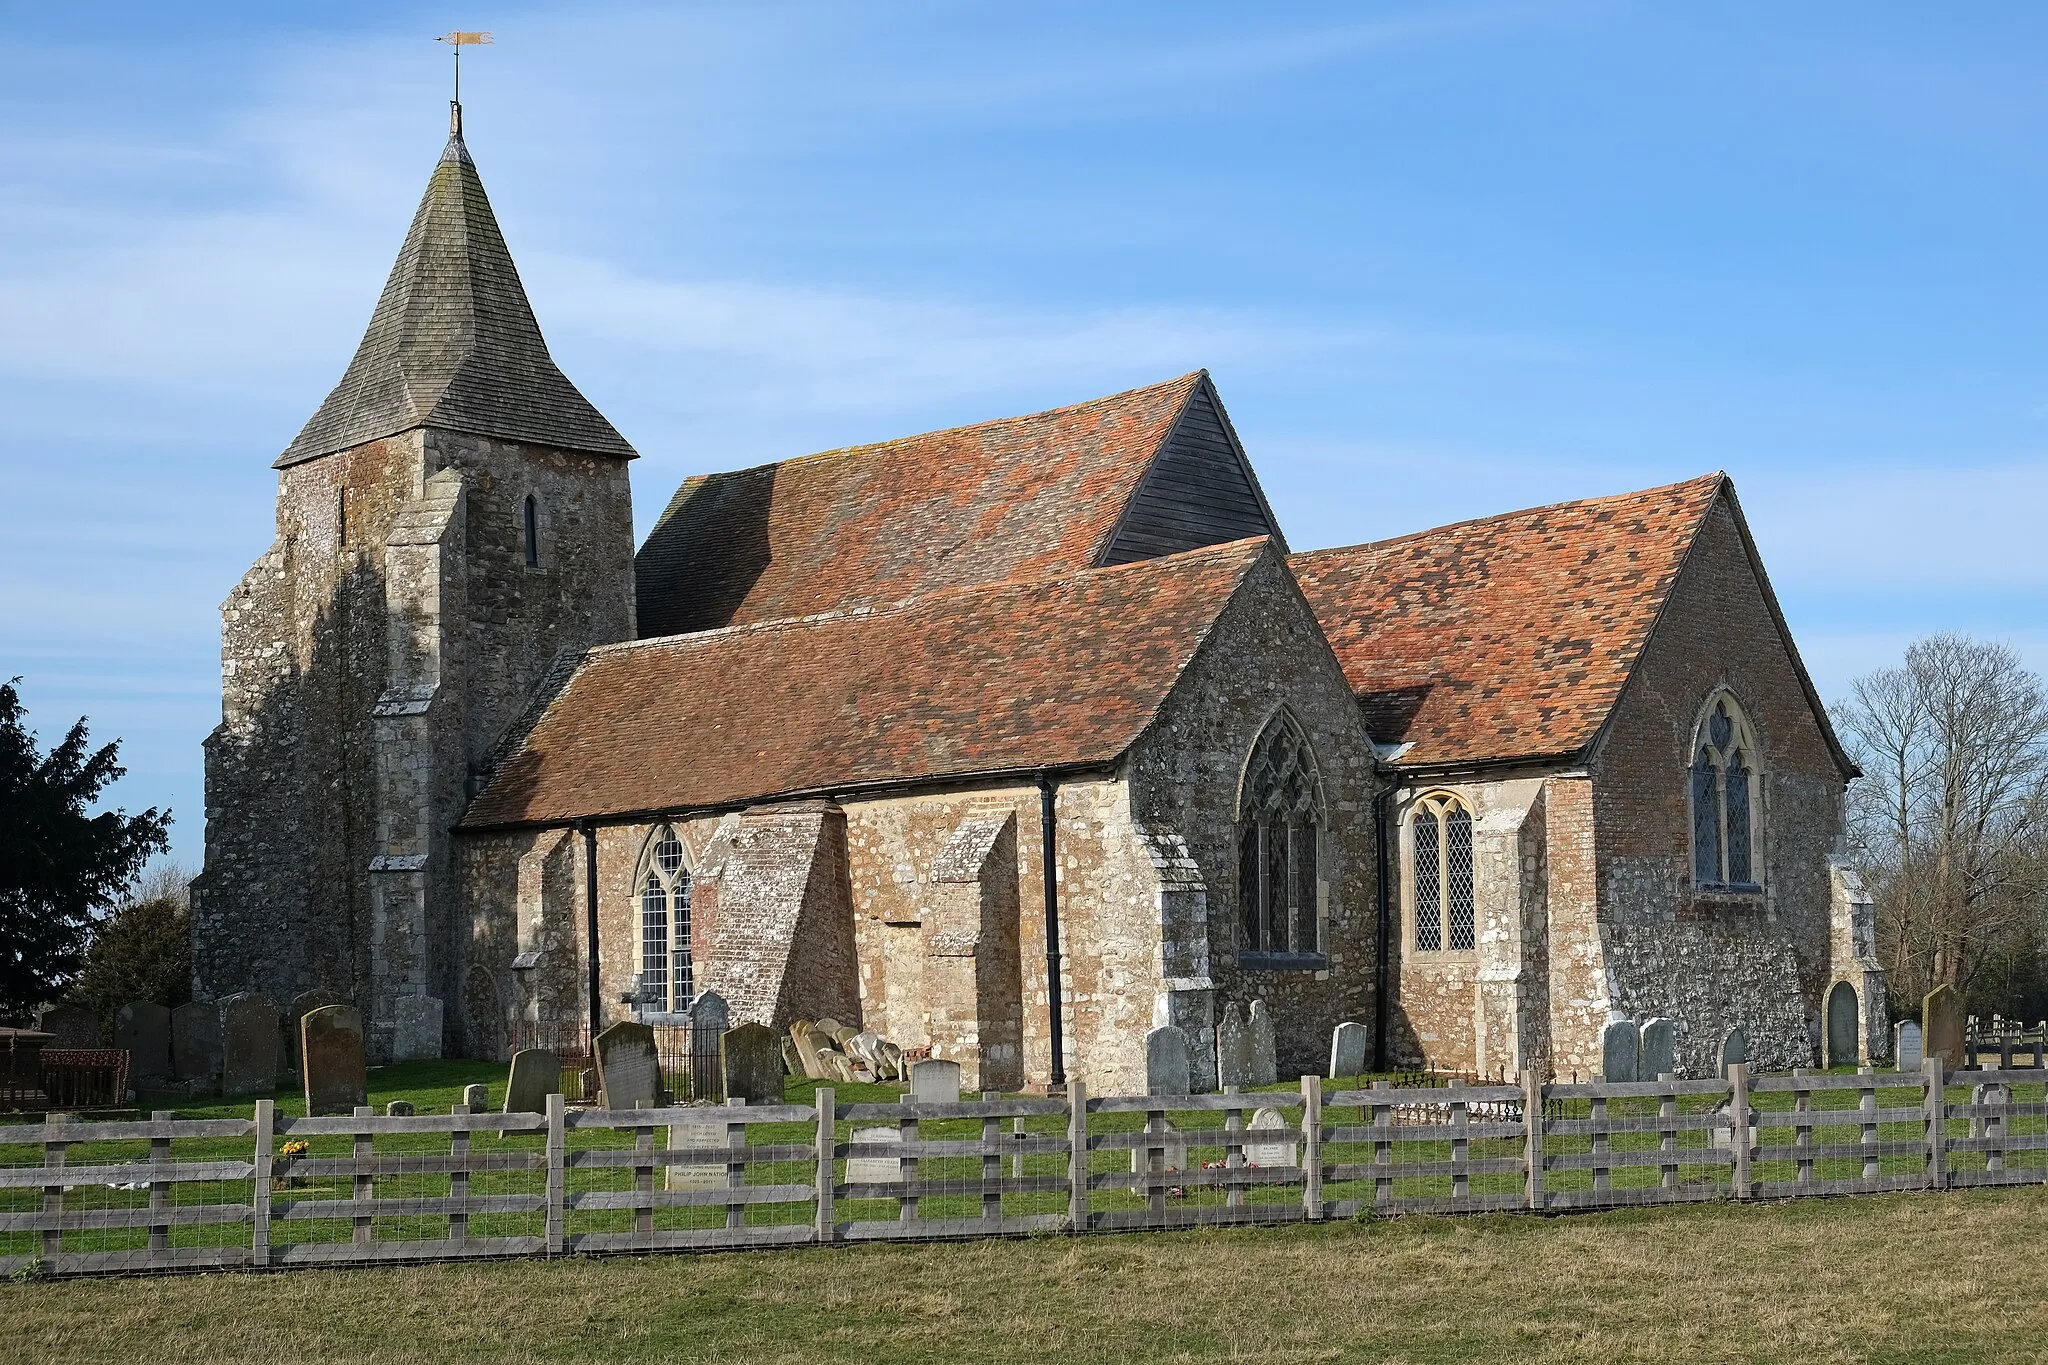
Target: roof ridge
{"x": 1717, "y": 477}
{"x": 900, "y": 605}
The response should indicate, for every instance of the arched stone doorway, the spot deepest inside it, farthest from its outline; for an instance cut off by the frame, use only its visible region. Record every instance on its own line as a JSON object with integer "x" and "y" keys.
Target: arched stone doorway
{"x": 1844, "y": 1034}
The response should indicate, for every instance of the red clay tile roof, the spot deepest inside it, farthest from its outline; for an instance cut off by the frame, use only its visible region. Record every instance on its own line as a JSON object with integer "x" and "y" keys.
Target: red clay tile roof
{"x": 994, "y": 678}
{"x": 1508, "y": 637}
{"x": 1024, "y": 497}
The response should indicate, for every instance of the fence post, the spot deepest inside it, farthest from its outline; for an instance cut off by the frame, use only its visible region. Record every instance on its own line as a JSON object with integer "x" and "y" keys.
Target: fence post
{"x": 1312, "y": 1145}
{"x": 557, "y": 1162}
{"x": 259, "y": 1210}
{"x": 1077, "y": 1156}
{"x": 365, "y": 1148}
{"x": 828, "y": 1154}
{"x": 1936, "y": 1081}
{"x": 1532, "y": 1133}
{"x": 1739, "y": 1131}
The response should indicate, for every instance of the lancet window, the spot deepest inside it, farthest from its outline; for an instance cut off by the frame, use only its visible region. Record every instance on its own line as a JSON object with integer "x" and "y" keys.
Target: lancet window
{"x": 1441, "y": 874}
{"x": 666, "y": 978}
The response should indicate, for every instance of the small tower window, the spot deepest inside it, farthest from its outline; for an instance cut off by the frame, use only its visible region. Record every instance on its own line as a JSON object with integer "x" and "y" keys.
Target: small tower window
{"x": 1722, "y": 784}
{"x": 529, "y": 517}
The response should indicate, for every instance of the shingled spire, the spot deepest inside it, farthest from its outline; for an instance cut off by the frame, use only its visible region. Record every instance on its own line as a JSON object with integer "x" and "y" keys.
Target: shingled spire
{"x": 453, "y": 343}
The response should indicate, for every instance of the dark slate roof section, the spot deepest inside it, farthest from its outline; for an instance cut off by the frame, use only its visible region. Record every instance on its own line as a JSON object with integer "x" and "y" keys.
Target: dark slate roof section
{"x": 978, "y": 681}
{"x": 1200, "y": 490}
{"x": 453, "y": 343}
{"x": 1020, "y": 497}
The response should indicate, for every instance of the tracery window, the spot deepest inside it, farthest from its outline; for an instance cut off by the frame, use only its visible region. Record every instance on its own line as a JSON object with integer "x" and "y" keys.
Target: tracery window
{"x": 1724, "y": 790}
{"x": 1279, "y": 826}
{"x": 666, "y": 978}
{"x": 1441, "y": 874}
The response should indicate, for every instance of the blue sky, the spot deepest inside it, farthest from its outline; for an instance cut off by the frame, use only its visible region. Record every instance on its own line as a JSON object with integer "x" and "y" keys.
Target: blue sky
{"x": 1443, "y": 260}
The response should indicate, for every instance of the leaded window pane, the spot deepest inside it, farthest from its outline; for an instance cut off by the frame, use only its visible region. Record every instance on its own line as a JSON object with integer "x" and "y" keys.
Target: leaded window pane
{"x": 1273, "y": 917}
{"x": 1248, "y": 884}
{"x": 1706, "y": 821}
{"x": 1737, "y": 787}
{"x": 1458, "y": 911}
{"x": 679, "y": 907}
{"x": 654, "y": 960}
{"x": 1305, "y": 888}
{"x": 668, "y": 856}
{"x": 1429, "y": 920}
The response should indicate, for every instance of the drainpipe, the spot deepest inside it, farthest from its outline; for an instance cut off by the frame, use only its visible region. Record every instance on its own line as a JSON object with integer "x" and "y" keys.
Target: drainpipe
{"x": 1383, "y": 850}
{"x": 1050, "y": 875}
{"x": 590, "y": 923}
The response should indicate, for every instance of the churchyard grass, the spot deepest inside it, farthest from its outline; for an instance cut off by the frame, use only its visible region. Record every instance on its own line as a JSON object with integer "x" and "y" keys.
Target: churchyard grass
{"x": 1889, "y": 1278}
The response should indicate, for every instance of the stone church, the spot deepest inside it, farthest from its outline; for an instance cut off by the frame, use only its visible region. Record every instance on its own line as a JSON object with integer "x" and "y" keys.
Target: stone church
{"x": 1012, "y": 741}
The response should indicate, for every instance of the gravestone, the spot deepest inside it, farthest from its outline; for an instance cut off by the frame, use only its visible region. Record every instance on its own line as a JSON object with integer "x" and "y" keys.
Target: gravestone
{"x": 398, "y": 1109}
{"x": 302, "y": 1004}
{"x": 69, "y": 1026}
{"x": 1907, "y": 1051}
{"x": 866, "y": 1048}
{"x": 827, "y": 1027}
{"x": 1169, "y": 1061}
{"x": 331, "y": 1060}
{"x": 415, "y": 1028}
{"x": 536, "y": 1074}
{"x": 750, "y": 1057}
{"x": 892, "y": 1059}
{"x": 248, "y": 1028}
{"x": 698, "y": 1133}
{"x": 1258, "y": 1039}
{"x": 1347, "y": 1050}
{"x": 1620, "y": 1051}
{"x": 628, "y": 1068}
{"x": 1941, "y": 1026}
{"x": 1172, "y": 1146}
{"x": 792, "y": 1061}
{"x": 1657, "y": 1054}
{"x": 1269, "y": 1154}
{"x": 1844, "y": 1031}
{"x": 196, "y": 1042}
{"x": 1233, "y": 1048}
{"x": 934, "y": 1081}
{"x": 476, "y": 1098}
{"x": 1734, "y": 1049}
{"x": 809, "y": 1051}
{"x": 143, "y": 1028}
{"x": 874, "y": 1169}
{"x": 709, "y": 1019}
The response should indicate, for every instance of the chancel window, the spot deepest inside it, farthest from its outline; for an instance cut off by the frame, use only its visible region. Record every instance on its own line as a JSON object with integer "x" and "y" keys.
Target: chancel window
{"x": 1279, "y": 845}
{"x": 1441, "y": 874}
{"x": 1724, "y": 786}
{"x": 666, "y": 979}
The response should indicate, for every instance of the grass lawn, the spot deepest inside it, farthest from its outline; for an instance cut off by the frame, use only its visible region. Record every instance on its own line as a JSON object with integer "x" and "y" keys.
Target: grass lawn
{"x": 1949, "y": 1277}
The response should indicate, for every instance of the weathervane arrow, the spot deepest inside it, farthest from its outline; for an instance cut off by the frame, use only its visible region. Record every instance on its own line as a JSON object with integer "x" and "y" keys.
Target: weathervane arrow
{"x": 458, "y": 40}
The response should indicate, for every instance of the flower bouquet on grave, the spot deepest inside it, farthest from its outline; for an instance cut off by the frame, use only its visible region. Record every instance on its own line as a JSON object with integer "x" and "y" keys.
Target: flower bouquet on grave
{"x": 290, "y": 1153}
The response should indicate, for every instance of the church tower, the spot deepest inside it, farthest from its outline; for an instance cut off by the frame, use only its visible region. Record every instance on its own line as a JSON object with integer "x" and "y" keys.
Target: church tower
{"x": 453, "y": 521}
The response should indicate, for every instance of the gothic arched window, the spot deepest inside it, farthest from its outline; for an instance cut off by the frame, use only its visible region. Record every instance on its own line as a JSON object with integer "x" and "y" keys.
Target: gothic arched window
{"x": 1441, "y": 874}
{"x": 529, "y": 524}
{"x": 1723, "y": 787}
{"x": 1279, "y": 822}
{"x": 666, "y": 979}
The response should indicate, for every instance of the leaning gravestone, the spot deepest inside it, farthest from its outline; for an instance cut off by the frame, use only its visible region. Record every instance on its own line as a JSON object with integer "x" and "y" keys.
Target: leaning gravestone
{"x": 1658, "y": 1054}
{"x": 69, "y": 1026}
{"x": 874, "y": 1170}
{"x": 750, "y": 1057}
{"x": 536, "y": 1074}
{"x": 1941, "y": 1026}
{"x": 1620, "y": 1051}
{"x": 1734, "y": 1049}
{"x": 628, "y": 1068}
{"x": 331, "y": 1060}
{"x": 809, "y": 1052}
{"x": 1347, "y": 1050}
{"x": 415, "y": 1028}
{"x": 249, "y": 1045}
{"x": 1269, "y": 1154}
{"x": 1908, "y": 1053}
{"x": 196, "y": 1042}
{"x": 1258, "y": 1041}
{"x": 934, "y": 1081}
{"x": 1169, "y": 1062}
{"x": 792, "y": 1060}
{"x": 1233, "y": 1048}
{"x": 143, "y": 1028}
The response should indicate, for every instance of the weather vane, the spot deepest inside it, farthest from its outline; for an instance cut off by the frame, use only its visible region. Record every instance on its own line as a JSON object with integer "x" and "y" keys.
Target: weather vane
{"x": 459, "y": 40}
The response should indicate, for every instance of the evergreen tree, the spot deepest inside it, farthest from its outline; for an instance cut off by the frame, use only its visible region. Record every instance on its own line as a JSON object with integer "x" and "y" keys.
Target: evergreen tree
{"x": 60, "y": 866}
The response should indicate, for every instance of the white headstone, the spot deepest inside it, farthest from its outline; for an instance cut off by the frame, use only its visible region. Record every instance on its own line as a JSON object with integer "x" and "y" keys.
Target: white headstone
{"x": 1347, "y": 1050}
{"x": 1258, "y": 1038}
{"x": 871, "y": 1170}
{"x": 1270, "y": 1154}
{"x": 1169, "y": 1061}
{"x": 935, "y": 1082}
{"x": 1907, "y": 1047}
{"x": 1172, "y": 1147}
{"x": 697, "y": 1175}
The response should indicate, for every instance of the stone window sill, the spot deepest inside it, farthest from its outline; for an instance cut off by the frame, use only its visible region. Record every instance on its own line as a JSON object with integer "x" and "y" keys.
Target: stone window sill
{"x": 1284, "y": 962}
{"x": 1735, "y": 892}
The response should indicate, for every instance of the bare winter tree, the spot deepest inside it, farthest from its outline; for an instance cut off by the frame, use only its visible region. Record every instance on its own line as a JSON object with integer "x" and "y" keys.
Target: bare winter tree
{"x": 1950, "y": 819}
